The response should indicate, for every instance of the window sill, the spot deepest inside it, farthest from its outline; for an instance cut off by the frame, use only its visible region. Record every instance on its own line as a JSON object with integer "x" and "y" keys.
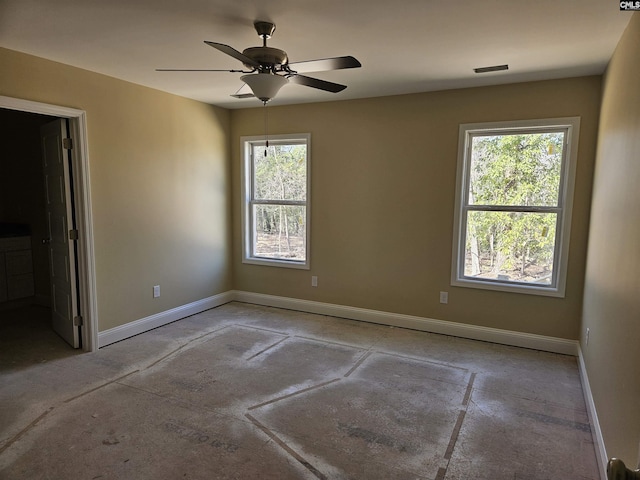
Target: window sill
{"x": 546, "y": 291}
{"x": 277, "y": 263}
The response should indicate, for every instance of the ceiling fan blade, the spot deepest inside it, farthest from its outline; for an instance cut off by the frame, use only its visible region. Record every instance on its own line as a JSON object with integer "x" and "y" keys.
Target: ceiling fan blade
{"x": 233, "y": 53}
{"x": 336, "y": 63}
{"x": 317, "y": 83}
{"x": 243, "y": 92}
{"x": 195, "y": 70}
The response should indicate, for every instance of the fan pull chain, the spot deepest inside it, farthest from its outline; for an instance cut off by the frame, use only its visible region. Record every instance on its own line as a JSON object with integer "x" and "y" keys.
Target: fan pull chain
{"x": 266, "y": 124}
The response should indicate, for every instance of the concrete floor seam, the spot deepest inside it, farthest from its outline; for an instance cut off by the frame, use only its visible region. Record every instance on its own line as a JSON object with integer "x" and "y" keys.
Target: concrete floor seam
{"x": 455, "y": 434}
{"x": 467, "y": 393}
{"x": 35, "y": 422}
{"x": 190, "y": 343}
{"x": 262, "y": 329}
{"x": 69, "y": 400}
{"x": 442, "y": 472}
{"x": 286, "y": 447}
{"x": 359, "y": 362}
{"x": 423, "y": 360}
{"x": 227, "y": 413}
{"x": 297, "y": 392}
{"x": 268, "y": 348}
{"x": 328, "y": 342}
{"x": 25, "y": 430}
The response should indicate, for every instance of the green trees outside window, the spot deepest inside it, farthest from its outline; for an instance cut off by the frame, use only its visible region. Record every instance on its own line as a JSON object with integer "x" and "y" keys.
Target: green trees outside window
{"x": 276, "y": 207}
{"x": 521, "y": 171}
{"x": 280, "y": 185}
{"x": 513, "y": 206}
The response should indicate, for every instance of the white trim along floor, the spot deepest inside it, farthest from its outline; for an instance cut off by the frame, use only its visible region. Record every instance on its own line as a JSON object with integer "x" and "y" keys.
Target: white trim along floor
{"x": 494, "y": 335}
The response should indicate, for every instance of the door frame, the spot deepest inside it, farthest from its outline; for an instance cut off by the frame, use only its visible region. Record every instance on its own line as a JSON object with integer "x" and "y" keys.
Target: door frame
{"x": 82, "y": 191}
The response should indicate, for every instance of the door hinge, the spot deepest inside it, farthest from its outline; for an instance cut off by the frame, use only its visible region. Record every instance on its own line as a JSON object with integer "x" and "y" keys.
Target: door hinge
{"x": 67, "y": 143}
{"x": 78, "y": 321}
{"x": 73, "y": 234}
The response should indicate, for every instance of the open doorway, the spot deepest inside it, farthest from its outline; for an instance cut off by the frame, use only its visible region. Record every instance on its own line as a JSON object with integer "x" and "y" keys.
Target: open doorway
{"x": 25, "y": 290}
{"x": 24, "y": 218}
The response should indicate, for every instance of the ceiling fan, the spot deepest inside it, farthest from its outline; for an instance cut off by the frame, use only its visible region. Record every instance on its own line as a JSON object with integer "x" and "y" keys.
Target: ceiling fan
{"x": 268, "y": 68}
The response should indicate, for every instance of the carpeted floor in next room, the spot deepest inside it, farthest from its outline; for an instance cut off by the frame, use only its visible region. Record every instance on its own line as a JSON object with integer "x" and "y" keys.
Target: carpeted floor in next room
{"x": 250, "y": 392}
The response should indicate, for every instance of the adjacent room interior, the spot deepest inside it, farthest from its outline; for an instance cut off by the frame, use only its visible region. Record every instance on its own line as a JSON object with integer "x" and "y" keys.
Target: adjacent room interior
{"x": 162, "y": 203}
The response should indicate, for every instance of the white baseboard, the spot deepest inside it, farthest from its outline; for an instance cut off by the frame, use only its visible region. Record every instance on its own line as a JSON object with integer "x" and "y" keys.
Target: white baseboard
{"x": 474, "y": 332}
{"x": 601, "y": 451}
{"x": 159, "y": 319}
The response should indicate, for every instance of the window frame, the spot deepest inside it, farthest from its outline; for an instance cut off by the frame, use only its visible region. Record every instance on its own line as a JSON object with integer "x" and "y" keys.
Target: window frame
{"x": 564, "y": 207}
{"x": 247, "y": 191}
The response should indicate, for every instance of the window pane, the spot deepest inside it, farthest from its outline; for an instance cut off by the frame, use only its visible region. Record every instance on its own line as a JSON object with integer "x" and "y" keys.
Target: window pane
{"x": 281, "y": 174}
{"x": 510, "y": 246}
{"x": 280, "y": 232}
{"x": 522, "y": 169}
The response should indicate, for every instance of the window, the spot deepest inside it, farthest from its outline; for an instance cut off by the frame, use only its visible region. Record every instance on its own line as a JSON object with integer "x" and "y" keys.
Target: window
{"x": 513, "y": 205}
{"x": 275, "y": 214}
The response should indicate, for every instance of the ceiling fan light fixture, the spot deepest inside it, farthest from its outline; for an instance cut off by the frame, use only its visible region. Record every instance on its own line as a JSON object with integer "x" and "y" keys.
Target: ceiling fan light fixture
{"x": 269, "y": 68}
{"x": 264, "y": 86}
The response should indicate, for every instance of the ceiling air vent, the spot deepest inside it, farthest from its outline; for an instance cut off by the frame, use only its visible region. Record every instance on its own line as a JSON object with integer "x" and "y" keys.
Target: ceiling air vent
{"x": 495, "y": 68}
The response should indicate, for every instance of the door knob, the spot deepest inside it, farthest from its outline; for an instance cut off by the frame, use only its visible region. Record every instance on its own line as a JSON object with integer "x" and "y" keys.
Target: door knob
{"x": 46, "y": 241}
{"x": 617, "y": 470}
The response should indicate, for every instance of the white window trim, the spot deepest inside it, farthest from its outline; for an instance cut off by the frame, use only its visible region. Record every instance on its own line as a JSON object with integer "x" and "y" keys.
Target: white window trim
{"x": 565, "y": 204}
{"x": 246, "y": 143}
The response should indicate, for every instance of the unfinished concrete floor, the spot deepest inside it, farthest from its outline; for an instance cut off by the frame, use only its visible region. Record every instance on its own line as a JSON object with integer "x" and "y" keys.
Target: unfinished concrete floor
{"x": 250, "y": 392}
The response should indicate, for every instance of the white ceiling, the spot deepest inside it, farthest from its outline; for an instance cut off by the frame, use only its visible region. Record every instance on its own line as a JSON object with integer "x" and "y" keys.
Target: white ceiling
{"x": 406, "y": 46}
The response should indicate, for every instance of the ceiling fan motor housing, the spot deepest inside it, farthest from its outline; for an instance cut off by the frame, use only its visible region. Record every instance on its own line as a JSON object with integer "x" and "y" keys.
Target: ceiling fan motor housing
{"x": 264, "y": 29}
{"x": 266, "y": 56}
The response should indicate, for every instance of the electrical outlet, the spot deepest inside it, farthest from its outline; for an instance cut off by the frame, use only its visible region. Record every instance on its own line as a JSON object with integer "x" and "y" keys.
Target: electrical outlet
{"x": 156, "y": 291}
{"x": 444, "y": 297}
{"x": 586, "y": 337}
{"x": 314, "y": 281}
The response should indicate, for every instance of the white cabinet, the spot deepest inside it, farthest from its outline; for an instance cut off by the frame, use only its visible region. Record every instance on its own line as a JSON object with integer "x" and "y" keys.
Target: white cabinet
{"x": 16, "y": 268}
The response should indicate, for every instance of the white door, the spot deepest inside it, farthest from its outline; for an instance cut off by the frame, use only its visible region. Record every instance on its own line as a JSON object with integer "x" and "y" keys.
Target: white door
{"x": 62, "y": 258}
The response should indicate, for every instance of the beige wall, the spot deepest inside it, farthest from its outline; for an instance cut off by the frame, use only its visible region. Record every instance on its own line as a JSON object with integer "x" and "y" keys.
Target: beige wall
{"x": 382, "y": 195}
{"x": 383, "y": 182}
{"x": 612, "y": 285}
{"x": 159, "y": 184}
